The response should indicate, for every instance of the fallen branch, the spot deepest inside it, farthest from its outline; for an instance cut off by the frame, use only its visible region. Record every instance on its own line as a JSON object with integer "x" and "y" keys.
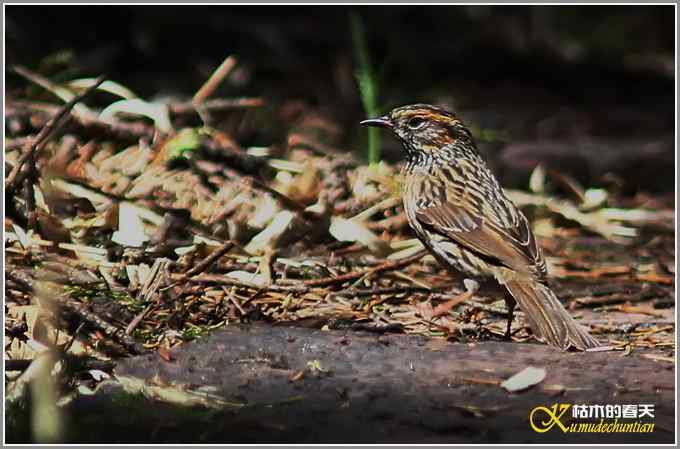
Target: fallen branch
{"x": 46, "y": 132}
{"x": 83, "y": 115}
{"x": 72, "y": 310}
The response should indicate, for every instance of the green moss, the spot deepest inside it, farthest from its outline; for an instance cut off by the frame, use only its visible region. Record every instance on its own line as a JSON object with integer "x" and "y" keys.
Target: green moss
{"x": 185, "y": 142}
{"x": 192, "y": 332}
{"x": 87, "y": 293}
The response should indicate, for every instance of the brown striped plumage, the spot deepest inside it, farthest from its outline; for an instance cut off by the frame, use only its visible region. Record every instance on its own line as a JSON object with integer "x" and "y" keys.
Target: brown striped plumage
{"x": 461, "y": 214}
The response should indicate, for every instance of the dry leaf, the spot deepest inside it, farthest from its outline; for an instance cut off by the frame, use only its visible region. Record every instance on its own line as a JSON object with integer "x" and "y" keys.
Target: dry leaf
{"x": 249, "y": 278}
{"x": 271, "y": 234}
{"x": 158, "y": 112}
{"x": 355, "y": 231}
{"x": 526, "y": 378}
{"x": 130, "y": 226}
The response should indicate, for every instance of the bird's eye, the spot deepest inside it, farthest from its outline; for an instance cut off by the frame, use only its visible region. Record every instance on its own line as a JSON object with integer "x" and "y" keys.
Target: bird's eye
{"x": 416, "y": 122}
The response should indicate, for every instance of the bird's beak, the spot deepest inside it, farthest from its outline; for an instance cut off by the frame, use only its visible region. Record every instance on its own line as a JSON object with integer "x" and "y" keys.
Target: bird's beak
{"x": 381, "y": 122}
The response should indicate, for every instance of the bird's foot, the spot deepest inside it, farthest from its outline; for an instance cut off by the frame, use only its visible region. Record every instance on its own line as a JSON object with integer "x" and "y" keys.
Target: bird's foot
{"x": 510, "y": 304}
{"x": 508, "y": 330}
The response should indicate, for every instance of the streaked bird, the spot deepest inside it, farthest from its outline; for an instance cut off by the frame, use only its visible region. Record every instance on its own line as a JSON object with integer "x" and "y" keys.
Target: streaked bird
{"x": 459, "y": 211}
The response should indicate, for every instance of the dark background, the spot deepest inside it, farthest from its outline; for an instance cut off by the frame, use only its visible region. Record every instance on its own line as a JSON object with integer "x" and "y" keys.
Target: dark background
{"x": 568, "y": 81}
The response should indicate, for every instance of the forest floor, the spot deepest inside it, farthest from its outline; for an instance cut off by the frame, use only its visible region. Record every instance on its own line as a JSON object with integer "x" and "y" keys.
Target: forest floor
{"x": 135, "y": 228}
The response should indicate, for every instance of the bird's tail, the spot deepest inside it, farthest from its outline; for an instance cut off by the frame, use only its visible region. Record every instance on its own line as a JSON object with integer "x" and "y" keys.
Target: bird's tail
{"x": 549, "y": 320}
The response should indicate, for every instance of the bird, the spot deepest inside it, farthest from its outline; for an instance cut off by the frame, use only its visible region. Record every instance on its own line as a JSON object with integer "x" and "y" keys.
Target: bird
{"x": 461, "y": 214}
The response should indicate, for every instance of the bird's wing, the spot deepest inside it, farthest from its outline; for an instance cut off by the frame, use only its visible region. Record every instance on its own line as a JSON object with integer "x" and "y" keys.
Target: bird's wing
{"x": 483, "y": 220}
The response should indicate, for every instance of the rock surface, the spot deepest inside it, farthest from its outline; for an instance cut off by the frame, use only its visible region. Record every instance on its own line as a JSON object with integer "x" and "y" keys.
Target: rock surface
{"x": 294, "y": 385}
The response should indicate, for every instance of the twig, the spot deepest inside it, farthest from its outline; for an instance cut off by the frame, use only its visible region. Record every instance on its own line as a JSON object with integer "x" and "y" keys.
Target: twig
{"x": 225, "y": 280}
{"x": 217, "y": 104}
{"x": 642, "y": 295}
{"x": 29, "y": 188}
{"x": 233, "y": 300}
{"x": 655, "y": 278}
{"x": 83, "y": 115}
{"x": 595, "y": 289}
{"x": 46, "y": 132}
{"x": 592, "y": 273}
{"x": 89, "y": 363}
{"x": 658, "y": 358}
{"x": 645, "y": 309}
{"x": 210, "y": 259}
{"x": 445, "y": 307}
{"x": 209, "y": 87}
{"x": 96, "y": 323}
{"x": 215, "y": 80}
{"x": 356, "y": 292}
{"x": 64, "y": 94}
{"x": 287, "y": 201}
{"x": 391, "y": 224}
{"x": 476, "y": 380}
{"x": 138, "y": 319}
{"x": 387, "y": 266}
{"x": 127, "y": 131}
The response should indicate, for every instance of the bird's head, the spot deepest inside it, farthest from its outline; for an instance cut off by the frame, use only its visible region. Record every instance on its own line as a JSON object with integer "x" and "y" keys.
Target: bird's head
{"x": 425, "y": 130}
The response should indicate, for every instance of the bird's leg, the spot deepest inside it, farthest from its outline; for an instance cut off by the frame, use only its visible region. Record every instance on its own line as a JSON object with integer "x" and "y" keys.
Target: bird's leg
{"x": 510, "y": 303}
{"x": 471, "y": 287}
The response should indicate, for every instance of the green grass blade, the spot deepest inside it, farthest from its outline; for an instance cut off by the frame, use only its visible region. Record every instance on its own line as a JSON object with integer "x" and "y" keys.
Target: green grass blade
{"x": 368, "y": 84}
